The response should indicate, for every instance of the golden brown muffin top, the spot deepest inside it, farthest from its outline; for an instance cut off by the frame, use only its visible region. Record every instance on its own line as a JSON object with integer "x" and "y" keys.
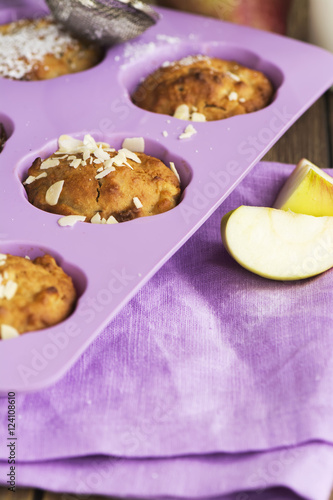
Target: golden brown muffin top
{"x": 212, "y": 88}
{"x": 106, "y": 186}
{"x": 34, "y": 294}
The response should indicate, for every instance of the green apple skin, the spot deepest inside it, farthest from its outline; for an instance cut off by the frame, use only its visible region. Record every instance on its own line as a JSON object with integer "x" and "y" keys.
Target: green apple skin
{"x": 308, "y": 190}
{"x": 278, "y": 245}
{"x": 269, "y": 15}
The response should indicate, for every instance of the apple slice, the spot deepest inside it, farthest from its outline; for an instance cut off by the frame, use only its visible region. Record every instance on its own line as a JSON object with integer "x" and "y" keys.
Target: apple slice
{"x": 308, "y": 190}
{"x": 277, "y": 244}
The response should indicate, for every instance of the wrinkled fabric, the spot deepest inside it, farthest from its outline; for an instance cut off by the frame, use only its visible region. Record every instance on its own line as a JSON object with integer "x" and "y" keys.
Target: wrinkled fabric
{"x": 211, "y": 381}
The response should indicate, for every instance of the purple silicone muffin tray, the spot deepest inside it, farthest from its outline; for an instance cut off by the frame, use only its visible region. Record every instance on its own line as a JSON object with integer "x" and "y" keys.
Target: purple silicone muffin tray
{"x": 109, "y": 263}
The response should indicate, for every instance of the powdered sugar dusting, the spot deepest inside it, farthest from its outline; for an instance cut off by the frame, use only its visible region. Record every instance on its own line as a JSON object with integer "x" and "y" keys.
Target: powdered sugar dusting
{"x": 27, "y": 43}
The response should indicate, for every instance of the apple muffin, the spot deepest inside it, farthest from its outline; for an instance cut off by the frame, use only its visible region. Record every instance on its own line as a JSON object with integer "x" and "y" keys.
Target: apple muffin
{"x": 39, "y": 49}
{"x": 100, "y": 184}
{"x": 201, "y": 88}
{"x": 3, "y": 136}
{"x": 34, "y": 294}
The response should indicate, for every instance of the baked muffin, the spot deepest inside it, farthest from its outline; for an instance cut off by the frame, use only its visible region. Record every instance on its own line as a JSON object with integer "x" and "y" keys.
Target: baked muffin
{"x": 34, "y": 294}
{"x": 39, "y": 49}
{"x": 3, "y": 137}
{"x": 91, "y": 179}
{"x": 201, "y": 88}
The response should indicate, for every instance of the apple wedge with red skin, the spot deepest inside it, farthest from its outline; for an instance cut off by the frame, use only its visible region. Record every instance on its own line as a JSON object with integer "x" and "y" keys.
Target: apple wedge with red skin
{"x": 269, "y": 15}
{"x": 278, "y": 244}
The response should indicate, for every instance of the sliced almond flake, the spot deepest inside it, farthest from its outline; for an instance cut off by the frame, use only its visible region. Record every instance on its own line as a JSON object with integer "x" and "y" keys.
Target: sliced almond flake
{"x": 32, "y": 178}
{"x": 86, "y": 154}
{"x": 71, "y": 157}
{"x": 100, "y": 169}
{"x": 60, "y": 157}
{"x": 198, "y": 117}
{"x": 10, "y": 289}
{"x": 233, "y": 96}
{"x": 5, "y": 275}
{"x": 97, "y": 161}
{"x": 27, "y": 257}
{"x": 70, "y": 220}
{"x": 68, "y": 144}
{"x": 242, "y": 99}
{"x": 83, "y": 163}
{"x": 174, "y": 170}
{"x": 233, "y": 76}
{"x": 136, "y": 144}
{"x": 188, "y": 132}
{"x": 53, "y": 193}
{"x": 111, "y": 150}
{"x": 165, "y": 133}
{"x": 104, "y": 172}
{"x": 89, "y": 142}
{"x": 111, "y": 220}
{"x": 108, "y": 164}
{"x": 119, "y": 159}
{"x": 101, "y": 154}
{"x": 8, "y": 332}
{"x": 75, "y": 163}
{"x": 96, "y": 219}
{"x": 182, "y": 112}
{"x": 105, "y": 146}
{"x": 50, "y": 163}
{"x": 3, "y": 256}
{"x": 129, "y": 154}
{"x": 137, "y": 202}
{"x": 2, "y": 262}
{"x": 2, "y": 291}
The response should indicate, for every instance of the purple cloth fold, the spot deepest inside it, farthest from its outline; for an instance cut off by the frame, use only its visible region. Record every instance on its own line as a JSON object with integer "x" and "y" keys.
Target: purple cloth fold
{"x": 197, "y": 384}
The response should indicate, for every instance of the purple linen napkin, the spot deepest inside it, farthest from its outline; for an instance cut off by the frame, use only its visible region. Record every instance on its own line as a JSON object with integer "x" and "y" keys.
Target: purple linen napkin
{"x": 305, "y": 470}
{"x": 207, "y": 358}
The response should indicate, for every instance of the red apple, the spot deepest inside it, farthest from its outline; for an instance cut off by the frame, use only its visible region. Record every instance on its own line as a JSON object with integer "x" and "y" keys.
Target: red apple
{"x": 269, "y": 15}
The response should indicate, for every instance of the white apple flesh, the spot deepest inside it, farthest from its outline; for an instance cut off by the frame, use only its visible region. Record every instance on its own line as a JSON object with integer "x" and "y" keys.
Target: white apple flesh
{"x": 308, "y": 190}
{"x": 277, "y": 244}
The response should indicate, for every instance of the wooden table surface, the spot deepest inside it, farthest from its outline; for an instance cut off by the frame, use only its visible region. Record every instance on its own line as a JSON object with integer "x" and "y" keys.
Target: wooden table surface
{"x": 310, "y": 137}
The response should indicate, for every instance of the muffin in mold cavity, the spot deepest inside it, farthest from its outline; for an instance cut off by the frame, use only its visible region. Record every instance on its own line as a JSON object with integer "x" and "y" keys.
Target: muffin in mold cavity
{"x": 6, "y": 129}
{"x": 39, "y": 49}
{"x": 34, "y": 294}
{"x": 3, "y": 136}
{"x": 203, "y": 88}
{"x": 93, "y": 182}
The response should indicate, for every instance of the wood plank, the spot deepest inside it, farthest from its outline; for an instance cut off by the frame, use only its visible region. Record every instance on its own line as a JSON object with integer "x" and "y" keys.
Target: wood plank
{"x": 20, "y": 494}
{"x": 330, "y": 124}
{"x": 297, "y": 26}
{"x": 307, "y": 138}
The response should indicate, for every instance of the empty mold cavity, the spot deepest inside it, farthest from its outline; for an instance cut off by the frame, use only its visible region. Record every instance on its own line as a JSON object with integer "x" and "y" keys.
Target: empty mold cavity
{"x": 151, "y": 148}
{"x": 133, "y": 73}
{"x": 6, "y": 129}
{"x": 32, "y": 251}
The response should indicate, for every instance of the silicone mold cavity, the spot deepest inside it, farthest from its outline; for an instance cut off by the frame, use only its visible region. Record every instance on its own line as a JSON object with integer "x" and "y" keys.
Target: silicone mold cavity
{"x": 26, "y": 249}
{"x": 134, "y": 73}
